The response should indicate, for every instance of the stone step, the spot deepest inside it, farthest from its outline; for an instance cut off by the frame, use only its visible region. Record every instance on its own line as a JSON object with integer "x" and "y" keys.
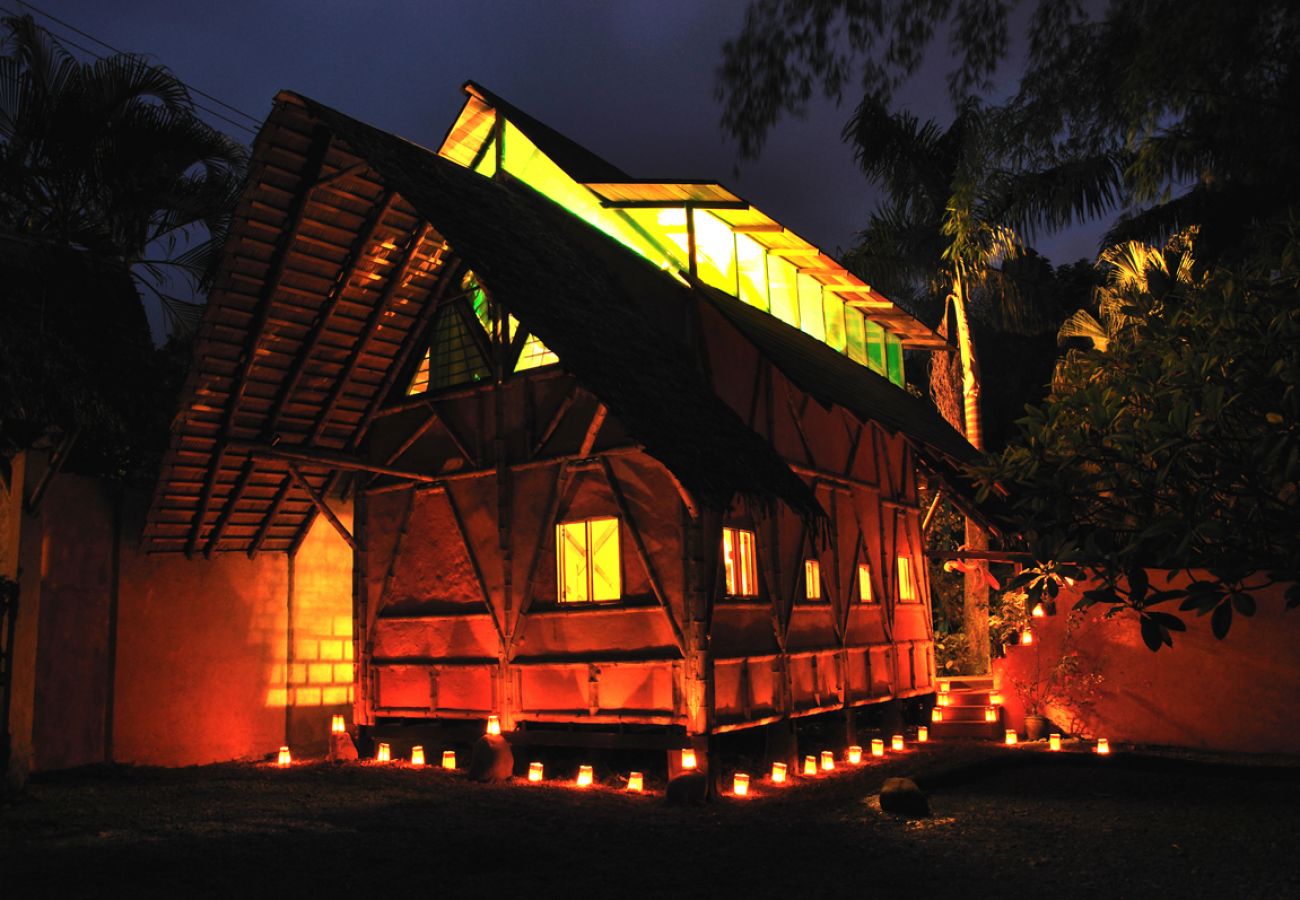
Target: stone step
{"x": 966, "y": 714}
{"x": 969, "y": 698}
{"x": 989, "y": 731}
{"x": 971, "y": 682}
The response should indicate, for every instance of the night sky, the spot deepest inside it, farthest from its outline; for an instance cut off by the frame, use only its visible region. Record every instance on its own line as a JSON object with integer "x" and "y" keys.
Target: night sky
{"x": 632, "y": 81}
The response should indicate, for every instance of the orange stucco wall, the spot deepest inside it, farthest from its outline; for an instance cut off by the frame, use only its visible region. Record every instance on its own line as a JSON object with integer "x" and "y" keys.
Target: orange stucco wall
{"x": 163, "y": 660}
{"x": 1238, "y": 694}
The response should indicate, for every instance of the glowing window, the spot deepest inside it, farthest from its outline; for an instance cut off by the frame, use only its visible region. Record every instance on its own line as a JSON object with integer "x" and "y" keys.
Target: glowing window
{"x": 833, "y": 308}
{"x": 894, "y": 358}
{"x": 487, "y": 164}
{"x": 907, "y": 592}
{"x": 875, "y": 347}
{"x": 864, "y": 583}
{"x": 587, "y": 560}
{"x": 812, "y": 579}
{"x": 534, "y": 355}
{"x": 739, "y": 563}
{"x": 782, "y": 290}
{"x": 751, "y": 264}
{"x": 715, "y": 252}
{"x": 855, "y": 334}
{"x": 810, "y": 307}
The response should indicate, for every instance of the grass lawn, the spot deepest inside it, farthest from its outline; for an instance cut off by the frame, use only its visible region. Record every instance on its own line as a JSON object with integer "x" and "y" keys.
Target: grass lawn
{"x": 1007, "y": 822}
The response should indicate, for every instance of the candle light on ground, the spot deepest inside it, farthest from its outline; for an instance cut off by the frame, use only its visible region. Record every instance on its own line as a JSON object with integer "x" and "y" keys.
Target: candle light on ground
{"x": 383, "y": 753}
{"x": 995, "y": 698}
{"x": 584, "y": 776}
{"x": 990, "y": 714}
{"x": 1038, "y": 611}
{"x": 417, "y": 756}
{"x": 1011, "y": 737}
{"x": 337, "y": 725}
{"x": 636, "y": 782}
{"x": 284, "y": 759}
{"x": 944, "y": 699}
{"x": 1026, "y": 637}
{"x": 688, "y": 758}
{"x": 449, "y": 759}
{"x": 922, "y": 735}
{"x": 494, "y": 725}
{"x": 740, "y": 785}
{"x": 896, "y": 742}
{"x": 936, "y": 714}
{"x": 778, "y": 773}
{"x": 534, "y": 771}
{"x": 810, "y": 765}
{"x": 828, "y": 761}
{"x": 877, "y": 746}
{"x": 855, "y": 755}
{"x": 1054, "y": 742}
{"x": 1103, "y": 746}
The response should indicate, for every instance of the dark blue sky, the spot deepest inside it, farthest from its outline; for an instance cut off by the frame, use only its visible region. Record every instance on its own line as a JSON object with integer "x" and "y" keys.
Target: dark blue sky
{"x": 633, "y": 81}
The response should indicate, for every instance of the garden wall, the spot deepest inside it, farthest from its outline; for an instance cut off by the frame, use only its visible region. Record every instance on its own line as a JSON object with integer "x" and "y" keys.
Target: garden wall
{"x": 157, "y": 659}
{"x": 1238, "y": 694}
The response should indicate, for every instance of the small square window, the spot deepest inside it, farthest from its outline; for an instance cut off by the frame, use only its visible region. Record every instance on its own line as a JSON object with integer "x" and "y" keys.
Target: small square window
{"x": 738, "y": 562}
{"x": 812, "y": 579}
{"x": 587, "y": 561}
{"x": 864, "y": 584}
{"x": 907, "y": 592}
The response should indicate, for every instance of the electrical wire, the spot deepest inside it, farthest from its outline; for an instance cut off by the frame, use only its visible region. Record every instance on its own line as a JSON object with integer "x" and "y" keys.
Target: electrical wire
{"x": 65, "y": 39}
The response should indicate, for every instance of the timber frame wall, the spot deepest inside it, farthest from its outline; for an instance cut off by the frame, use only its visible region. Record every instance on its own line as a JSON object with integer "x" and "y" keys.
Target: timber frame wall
{"x": 456, "y": 612}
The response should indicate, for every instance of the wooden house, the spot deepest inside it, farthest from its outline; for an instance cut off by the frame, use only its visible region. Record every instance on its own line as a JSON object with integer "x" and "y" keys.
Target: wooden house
{"x": 621, "y": 455}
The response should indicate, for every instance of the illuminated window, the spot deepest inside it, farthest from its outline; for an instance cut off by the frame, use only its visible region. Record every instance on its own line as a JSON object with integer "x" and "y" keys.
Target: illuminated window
{"x": 812, "y": 579}
{"x": 907, "y": 592}
{"x": 875, "y": 347}
{"x": 855, "y": 333}
{"x": 587, "y": 560}
{"x": 894, "y": 358}
{"x": 811, "y": 317}
{"x": 782, "y": 290}
{"x": 715, "y": 252}
{"x": 864, "y": 583}
{"x": 751, "y": 264}
{"x": 738, "y": 561}
{"x": 833, "y": 309}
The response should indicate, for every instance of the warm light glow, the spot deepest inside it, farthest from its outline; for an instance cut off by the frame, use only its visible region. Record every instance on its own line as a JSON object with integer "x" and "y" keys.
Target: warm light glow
{"x": 493, "y": 725}
{"x": 688, "y": 758}
{"x": 534, "y": 771}
{"x": 810, "y": 765}
{"x": 877, "y": 746}
{"x": 588, "y": 561}
{"x": 337, "y": 725}
{"x": 855, "y": 755}
{"x": 828, "y": 761}
{"x": 907, "y": 591}
{"x": 740, "y": 785}
{"x": 943, "y": 687}
{"x": 417, "y": 756}
{"x": 812, "y": 579}
{"x": 896, "y": 742}
{"x": 285, "y": 759}
{"x": 1011, "y": 737}
{"x": 922, "y": 735}
{"x": 584, "y": 776}
{"x": 936, "y": 714}
{"x": 778, "y": 773}
{"x": 990, "y": 714}
{"x": 739, "y": 563}
{"x": 1103, "y": 746}
{"x": 1026, "y": 637}
{"x": 1038, "y": 612}
{"x": 449, "y": 759}
{"x": 383, "y": 753}
{"x": 636, "y": 782}
{"x": 1054, "y": 742}
{"x": 944, "y": 699}
{"x": 995, "y": 698}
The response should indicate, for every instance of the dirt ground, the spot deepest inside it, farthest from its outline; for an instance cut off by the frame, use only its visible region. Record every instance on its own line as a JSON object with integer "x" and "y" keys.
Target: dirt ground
{"x": 1011, "y": 822}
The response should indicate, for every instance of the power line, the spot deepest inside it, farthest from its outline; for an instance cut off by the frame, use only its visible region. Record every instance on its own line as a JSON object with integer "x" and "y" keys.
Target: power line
{"x": 65, "y": 39}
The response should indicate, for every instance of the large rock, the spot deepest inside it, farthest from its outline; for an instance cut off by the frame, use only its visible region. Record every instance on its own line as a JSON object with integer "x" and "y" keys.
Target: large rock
{"x": 491, "y": 759}
{"x": 902, "y": 797}
{"x": 688, "y": 789}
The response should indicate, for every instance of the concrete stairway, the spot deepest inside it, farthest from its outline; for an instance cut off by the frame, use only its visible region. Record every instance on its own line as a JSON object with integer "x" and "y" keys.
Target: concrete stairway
{"x": 968, "y": 699}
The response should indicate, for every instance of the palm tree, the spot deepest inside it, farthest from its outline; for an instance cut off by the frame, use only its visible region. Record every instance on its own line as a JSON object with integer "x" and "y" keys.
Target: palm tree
{"x": 110, "y": 187}
{"x": 109, "y": 158}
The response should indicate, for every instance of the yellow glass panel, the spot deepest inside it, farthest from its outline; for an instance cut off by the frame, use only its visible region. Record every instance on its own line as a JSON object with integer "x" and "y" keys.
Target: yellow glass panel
{"x": 748, "y": 573}
{"x": 715, "y": 252}
{"x": 864, "y": 582}
{"x": 855, "y": 335}
{"x": 812, "y": 579}
{"x": 604, "y": 556}
{"x": 894, "y": 358}
{"x": 729, "y": 559}
{"x": 833, "y": 308}
{"x": 783, "y": 292}
{"x": 751, "y": 265}
{"x": 420, "y": 383}
{"x": 906, "y": 586}
{"x": 571, "y": 549}
{"x": 810, "y": 307}
{"x": 487, "y": 164}
{"x": 534, "y": 354}
{"x": 665, "y": 229}
{"x": 524, "y": 161}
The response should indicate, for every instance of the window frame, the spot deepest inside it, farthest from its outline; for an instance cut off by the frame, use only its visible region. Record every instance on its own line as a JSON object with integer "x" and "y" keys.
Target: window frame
{"x": 906, "y": 577}
{"x": 590, "y": 586}
{"x": 864, "y": 580}
{"x": 732, "y": 578}
{"x": 812, "y": 574}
